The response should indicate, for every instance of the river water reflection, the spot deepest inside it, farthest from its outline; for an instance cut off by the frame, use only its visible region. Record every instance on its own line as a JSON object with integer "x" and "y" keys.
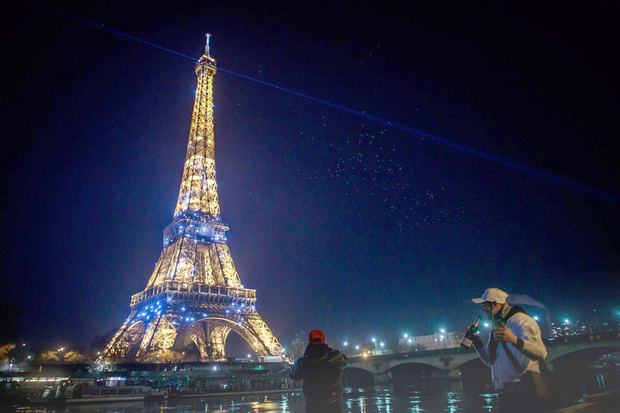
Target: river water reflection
{"x": 439, "y": 396}
{"x": 430, "y": 395}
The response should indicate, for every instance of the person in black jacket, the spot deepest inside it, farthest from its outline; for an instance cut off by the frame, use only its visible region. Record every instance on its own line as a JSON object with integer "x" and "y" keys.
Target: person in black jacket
{"x": 321, "y": 371}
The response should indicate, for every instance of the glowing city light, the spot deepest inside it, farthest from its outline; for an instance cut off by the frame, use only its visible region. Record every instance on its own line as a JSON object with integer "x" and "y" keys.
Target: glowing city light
{"x": 345, "y": 344}
{"x": 536, "y": 317}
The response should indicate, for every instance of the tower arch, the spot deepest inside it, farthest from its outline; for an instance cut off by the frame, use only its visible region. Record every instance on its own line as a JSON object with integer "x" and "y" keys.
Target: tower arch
{"x": 209, "y": 336}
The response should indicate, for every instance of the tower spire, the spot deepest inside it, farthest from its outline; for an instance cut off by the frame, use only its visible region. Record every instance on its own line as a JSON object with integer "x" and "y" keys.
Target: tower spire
{"x": 208, "y": 36}
{"x": 198, "y": 192}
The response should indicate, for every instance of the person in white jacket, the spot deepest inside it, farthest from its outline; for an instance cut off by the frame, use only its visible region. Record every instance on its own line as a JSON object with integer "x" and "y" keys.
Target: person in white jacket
{"x": 514, "y": 352}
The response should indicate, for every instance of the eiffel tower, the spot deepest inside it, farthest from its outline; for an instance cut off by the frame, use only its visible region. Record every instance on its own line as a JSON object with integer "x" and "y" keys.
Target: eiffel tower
{"x": 194, "y": 297}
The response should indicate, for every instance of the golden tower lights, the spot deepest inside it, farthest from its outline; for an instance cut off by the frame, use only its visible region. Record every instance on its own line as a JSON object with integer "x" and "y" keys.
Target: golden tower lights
{"x": 194, "y": 297}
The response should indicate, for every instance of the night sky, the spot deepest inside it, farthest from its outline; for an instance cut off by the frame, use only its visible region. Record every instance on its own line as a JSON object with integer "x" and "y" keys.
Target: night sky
{"x": 339, "y": 222}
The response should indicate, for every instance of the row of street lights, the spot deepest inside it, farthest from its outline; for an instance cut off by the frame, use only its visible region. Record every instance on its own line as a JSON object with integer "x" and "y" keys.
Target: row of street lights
{"x": 442, "y": 335}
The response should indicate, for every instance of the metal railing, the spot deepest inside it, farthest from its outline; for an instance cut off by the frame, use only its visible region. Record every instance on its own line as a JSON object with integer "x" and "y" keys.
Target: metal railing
{"x": 194, "y": 291}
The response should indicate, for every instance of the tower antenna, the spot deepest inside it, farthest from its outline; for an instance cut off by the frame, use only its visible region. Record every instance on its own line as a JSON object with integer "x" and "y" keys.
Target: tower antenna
{"x": 208, "y": 36}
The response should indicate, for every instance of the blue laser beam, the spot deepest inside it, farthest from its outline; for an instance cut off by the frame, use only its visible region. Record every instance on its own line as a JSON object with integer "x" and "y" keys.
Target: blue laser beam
{"x": 469, "y": 150}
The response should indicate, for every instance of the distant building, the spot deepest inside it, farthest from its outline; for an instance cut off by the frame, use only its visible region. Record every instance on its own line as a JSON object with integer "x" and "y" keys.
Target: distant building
{"x": 435, "y": 341}
{"x": 567, "y": 328}
{"x": 367, "y": 350}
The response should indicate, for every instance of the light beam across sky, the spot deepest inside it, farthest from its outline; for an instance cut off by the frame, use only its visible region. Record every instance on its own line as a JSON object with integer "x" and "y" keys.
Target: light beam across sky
{"x": 466, "y": 149}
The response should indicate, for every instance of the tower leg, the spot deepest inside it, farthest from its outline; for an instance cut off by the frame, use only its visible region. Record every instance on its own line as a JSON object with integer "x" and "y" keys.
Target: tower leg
{"x": 217, "y": 338}
{"x": 266, "y": 343}
{"x": 209, "y": 337}
{"x": 157, "y": 343}
{"x": 124, "y": 344}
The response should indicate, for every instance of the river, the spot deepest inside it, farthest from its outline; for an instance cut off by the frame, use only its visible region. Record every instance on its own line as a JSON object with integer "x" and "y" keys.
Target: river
{"x": 441, "y": 396}
{"x": 430, "y": 395}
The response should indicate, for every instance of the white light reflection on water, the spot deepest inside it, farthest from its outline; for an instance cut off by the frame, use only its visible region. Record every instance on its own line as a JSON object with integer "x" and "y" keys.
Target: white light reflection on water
{"x": 371, "y": 399}
{"x": 284, "y": 403}
{"x": 490, "y": 400}
{"x": 454, "y": 400}
{"x": 386, "y": 399}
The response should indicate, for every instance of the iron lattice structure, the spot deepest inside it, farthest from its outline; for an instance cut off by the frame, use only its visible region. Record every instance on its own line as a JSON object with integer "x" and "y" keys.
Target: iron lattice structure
{"x": 194, "y": 297}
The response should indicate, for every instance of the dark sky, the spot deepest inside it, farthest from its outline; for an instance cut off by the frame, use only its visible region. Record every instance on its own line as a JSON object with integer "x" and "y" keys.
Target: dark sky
{"x": 338, "y": 222}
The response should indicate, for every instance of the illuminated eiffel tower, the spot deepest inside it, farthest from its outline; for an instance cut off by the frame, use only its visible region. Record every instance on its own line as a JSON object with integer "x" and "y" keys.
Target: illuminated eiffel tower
{"x": 194, "y": 297}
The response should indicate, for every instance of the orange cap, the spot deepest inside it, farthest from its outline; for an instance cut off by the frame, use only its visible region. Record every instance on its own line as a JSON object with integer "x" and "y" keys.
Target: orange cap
{"x": 316, "y": 337}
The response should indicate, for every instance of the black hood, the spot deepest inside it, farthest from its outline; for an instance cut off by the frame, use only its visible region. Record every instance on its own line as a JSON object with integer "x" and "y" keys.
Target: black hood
{"x": 316, "y": 351}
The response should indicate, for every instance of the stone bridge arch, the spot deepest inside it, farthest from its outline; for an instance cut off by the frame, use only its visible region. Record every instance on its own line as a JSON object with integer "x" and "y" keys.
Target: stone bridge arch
{"x": 413, "y": 370}
{"x": 357, "y": 376}
{"x": 563, "y": 350}
{"x": 379, "y": 366}
{"x": 587, "y": 353}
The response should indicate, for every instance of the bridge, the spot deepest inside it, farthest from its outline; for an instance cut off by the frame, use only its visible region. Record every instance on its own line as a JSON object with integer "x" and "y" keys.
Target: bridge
{"x": 454, "y": 359}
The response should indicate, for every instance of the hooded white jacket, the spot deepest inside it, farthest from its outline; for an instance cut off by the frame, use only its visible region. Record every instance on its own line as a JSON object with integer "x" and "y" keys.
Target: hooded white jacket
{"x": 528, "y": 351}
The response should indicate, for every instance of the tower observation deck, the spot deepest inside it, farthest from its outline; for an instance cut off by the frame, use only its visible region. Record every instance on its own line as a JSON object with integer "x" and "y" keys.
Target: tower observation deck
{"x": 194, "y": 297}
